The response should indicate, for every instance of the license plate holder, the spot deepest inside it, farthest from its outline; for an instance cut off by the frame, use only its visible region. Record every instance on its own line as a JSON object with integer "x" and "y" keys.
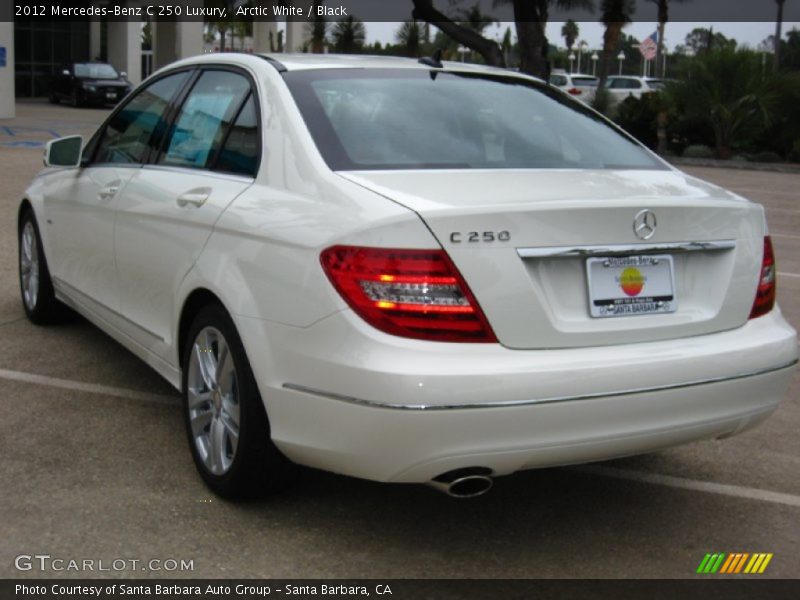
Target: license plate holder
{"x": 624, "y": 286}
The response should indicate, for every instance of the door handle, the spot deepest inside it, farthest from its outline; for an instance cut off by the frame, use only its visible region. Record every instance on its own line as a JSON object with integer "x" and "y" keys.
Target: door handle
{"x": 195, "y": 197}
{"x": 109, "y": 191}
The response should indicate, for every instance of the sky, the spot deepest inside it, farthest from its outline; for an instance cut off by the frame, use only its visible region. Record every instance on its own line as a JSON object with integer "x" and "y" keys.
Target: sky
{"x": 751, "y": 34}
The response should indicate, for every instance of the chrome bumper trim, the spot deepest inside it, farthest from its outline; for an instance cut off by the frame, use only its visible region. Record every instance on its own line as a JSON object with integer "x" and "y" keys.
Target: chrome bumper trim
{"x": 572, "y": 251}
{"x": 430, "y": 407}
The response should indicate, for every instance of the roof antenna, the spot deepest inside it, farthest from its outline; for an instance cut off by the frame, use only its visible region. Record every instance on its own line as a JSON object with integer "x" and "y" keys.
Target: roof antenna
{"x": 434, "y": 61}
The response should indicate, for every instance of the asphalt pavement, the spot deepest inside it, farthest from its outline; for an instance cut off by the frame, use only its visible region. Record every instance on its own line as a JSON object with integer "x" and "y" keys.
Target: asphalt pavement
{"x": 95, "y": 465}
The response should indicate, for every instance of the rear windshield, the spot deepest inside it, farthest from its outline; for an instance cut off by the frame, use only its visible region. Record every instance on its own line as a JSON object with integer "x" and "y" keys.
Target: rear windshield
{"x": 95, "y": 71}
{"x": 418, "y": 119}
{"x": 585, "y": 81}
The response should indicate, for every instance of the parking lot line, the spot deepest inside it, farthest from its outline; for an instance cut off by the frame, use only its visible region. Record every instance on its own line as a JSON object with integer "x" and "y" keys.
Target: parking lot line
{"x": 734, "y": 491}
{"x": 91, "y": 388}
{"x": 724, "y": 489}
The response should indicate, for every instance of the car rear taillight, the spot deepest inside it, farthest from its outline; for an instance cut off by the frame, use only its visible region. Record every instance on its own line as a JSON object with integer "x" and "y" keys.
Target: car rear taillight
{"x": 765, "y": 293}
{"x": 574, "y": 91}
{"x": 411, "y": 293}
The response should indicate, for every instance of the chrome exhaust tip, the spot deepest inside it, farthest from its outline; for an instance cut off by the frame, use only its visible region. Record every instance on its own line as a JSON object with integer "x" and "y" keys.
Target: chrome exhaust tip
{"x": 463, "y": 483}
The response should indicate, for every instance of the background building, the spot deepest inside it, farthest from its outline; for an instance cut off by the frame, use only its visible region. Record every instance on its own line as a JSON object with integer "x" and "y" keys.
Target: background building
{"x": 32, "y": 50}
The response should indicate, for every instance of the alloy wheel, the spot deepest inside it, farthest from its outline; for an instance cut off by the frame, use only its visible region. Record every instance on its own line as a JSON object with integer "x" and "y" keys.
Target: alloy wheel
{"x": 213, "y": 401}
{"x": 29, "y": 266}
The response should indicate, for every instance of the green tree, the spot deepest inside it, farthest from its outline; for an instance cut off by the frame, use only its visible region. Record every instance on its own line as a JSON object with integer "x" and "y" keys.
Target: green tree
{"x": 727, "y": 90}
{"x": 702, "y": 40}
{"x": 663, "y": 18}
{"x": 349, "y": 35}
{"x": 570, "y": 32}
{"x": 531, "y": 17}
{"x": 474, "y": 19}
{"x": 409, "y": 37}
{"x": 615, "y": 15}
{"x": 778, "y": 27}
{"x": 317, "y": 31}
{"x": 507, "y": 46}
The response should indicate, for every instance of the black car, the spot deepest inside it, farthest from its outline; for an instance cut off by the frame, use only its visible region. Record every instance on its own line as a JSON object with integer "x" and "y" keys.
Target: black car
{"x": 89, "y": 83}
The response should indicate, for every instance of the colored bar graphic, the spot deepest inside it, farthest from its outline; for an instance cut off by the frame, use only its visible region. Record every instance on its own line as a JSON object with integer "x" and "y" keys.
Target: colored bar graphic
{"x": 728, "y": 563}
{"x": 734, "y": 563}
{"x": 764, "y": 564}
{"x": 703, "y": 563}
{"x": 741, "y": 562}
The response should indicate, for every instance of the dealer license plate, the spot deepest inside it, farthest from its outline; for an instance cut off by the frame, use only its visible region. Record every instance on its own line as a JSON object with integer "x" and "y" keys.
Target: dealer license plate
{"x": 621, "y": 286}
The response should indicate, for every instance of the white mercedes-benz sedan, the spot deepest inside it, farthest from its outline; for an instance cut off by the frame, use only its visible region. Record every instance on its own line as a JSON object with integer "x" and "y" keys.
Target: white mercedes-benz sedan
{"x": 405, "y": 271}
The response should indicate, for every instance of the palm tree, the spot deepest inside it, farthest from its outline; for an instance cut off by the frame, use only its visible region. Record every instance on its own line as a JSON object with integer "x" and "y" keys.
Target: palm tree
{"x": 409, "y": 36}
{"x": 489, "y": 49}
{"x": 474, "y": 19}
{"x": 663, "y": 17}
{"x": 727, "y": 90}
{"x": 507, "y": 45}
{"x": 531, "y": 18}
{"x": 570, "y": 32}
{"x": 615, "y": 15}
{"x": 349, "y": 35}
{"x": 317, "y": 30}
{"x": 778, "y": 33}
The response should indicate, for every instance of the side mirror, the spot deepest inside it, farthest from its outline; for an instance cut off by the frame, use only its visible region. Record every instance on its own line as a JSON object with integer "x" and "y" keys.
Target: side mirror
{"x": 63, "y": 152}
{"x": 65, "y": 72}
{"x": 123, "y": 74}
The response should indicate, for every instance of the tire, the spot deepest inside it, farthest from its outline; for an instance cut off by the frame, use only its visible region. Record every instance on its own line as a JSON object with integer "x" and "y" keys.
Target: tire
{"x": 36, "y": 287}
{"x": 226, "y": 423}
{"x": 74, "y": 100}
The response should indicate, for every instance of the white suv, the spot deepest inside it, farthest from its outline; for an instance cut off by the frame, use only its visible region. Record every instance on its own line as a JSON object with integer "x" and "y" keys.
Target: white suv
{"x": 624, "y": 86}
{"x": 582, "y": 87}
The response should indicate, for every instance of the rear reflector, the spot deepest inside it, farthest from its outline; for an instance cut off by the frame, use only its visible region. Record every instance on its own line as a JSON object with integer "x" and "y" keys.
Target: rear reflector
{"x": 411, "y": 293}
{"x": 767, "y": 284}
{"x": 574, "y": 91}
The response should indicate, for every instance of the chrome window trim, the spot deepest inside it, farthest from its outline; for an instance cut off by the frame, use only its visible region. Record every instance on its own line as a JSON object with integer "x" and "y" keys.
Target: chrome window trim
{"x": 199, "y": 171}
{"x": 551, "y": 400}
{"x": 612, "y": 249}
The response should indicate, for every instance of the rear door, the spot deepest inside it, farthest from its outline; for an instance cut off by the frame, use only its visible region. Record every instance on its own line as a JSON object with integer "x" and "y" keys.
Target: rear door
{"x": 209, "y": 156}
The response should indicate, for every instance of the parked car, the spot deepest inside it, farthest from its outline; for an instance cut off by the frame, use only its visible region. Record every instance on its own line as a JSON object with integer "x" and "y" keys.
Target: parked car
{"x": 405, "y": 272}
{"x": 624, "y": 86}
{"x": 583, "y": 87}
{"x": 89, "y": 83}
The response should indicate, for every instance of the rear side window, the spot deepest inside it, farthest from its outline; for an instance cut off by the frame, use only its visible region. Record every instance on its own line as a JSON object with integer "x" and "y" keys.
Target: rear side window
{"x": 585, "y": 81}
{"x": 204, "y": 119}
{"x": 558, "y": 80}
{"x": 130, "y": 133}
{"x": 241, "y": 150}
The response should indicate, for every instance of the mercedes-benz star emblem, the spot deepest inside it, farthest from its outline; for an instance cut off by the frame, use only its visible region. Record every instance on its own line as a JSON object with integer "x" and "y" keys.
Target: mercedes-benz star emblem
{"x": 644, "y": 224}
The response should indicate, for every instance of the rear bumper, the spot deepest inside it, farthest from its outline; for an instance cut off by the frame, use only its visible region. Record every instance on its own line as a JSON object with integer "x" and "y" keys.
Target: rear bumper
{"x": 345, "y": 398}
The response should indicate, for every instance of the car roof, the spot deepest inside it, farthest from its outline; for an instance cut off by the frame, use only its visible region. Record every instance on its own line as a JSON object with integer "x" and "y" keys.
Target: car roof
{"x": 304, "y": 62}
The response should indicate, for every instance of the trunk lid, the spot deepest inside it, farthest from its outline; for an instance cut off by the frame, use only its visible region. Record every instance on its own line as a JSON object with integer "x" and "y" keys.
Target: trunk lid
{"x": 522, "y": 239}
